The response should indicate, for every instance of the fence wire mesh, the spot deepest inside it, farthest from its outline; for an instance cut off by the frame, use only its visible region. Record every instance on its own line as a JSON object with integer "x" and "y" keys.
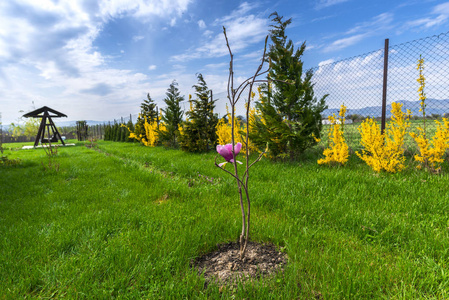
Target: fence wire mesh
{"x": 357, "y": 82}
{"x": 402, "y": 74}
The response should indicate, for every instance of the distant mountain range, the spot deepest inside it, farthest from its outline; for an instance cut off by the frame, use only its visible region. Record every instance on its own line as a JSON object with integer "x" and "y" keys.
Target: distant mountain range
{"x": 434, "y": 106}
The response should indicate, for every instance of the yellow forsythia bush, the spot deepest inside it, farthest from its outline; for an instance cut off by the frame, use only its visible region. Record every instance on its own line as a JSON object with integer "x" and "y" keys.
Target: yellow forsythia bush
{"x": 430, "y": 152}
{"x": 150, "y": 132}
{"x": 337, "y": 153}
{"x": 224, "y": 130}
{"x": 385, "y": 151}
{"x": 252, "y": 124}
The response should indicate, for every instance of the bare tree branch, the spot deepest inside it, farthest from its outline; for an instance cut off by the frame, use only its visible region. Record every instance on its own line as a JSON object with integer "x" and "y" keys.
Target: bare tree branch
{"x": 233, "y": 97}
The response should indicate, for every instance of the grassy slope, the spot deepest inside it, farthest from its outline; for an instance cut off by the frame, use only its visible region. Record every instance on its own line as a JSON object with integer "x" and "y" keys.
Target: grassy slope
{"x": 126, "y": 220}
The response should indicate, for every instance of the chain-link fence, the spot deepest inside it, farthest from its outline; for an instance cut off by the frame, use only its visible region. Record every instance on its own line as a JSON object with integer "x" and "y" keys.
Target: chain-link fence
{"x": 358, "y": 82}
{"x": 402, "y": 74}
{"x": 355, "y": 82}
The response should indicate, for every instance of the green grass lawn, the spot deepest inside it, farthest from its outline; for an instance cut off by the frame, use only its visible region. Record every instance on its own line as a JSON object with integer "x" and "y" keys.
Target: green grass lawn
{"x": 125, "y": 221}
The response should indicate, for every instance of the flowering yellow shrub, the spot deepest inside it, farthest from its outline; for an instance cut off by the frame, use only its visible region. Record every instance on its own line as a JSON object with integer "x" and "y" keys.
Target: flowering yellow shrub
{"x": 223, "y": 130}
{"x": 252, "y": 124}
{"x": 422, "y": 84}
{"x": 150, "y": 132}
{"x": 385, "y": 151}
{"x": 338, "y": 149}
{"x": 430, "y": 152}
{"x": 181, "y": 130}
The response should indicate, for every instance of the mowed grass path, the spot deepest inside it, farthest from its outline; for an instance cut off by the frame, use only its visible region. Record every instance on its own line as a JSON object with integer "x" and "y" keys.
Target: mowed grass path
{"x": 125, "y": 221}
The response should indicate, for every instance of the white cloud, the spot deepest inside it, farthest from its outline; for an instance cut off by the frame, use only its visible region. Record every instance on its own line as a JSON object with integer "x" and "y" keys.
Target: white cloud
{"x": 216, "y": 66}
{"x": 327, "y": 3}
{"x": 438, "y": 16}
{"x": 345, "y": 42}
{"x": 208, "y": 33}
{"x": 48, "y": 69}
{"x": 47, "y": 54}
{"x": 242, "y": 30}
{"x": 378, "y": 24}
{"x": 255, "y": 54}
{"x": 442, "y": 8}
{"x": 152, "y": 67}
{"x": 322, "y": 18}
{"x": 325, "y": 62}
{"x": 428, "y": 22}
{"x": 242, "y": 10}
{"x": 142, "y": 8}
{"x": 201, "y": 24}
{"x": 138, "y": 38}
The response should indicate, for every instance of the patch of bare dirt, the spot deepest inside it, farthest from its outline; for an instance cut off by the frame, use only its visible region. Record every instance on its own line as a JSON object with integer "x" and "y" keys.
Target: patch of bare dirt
{"x": 225, "y": 266}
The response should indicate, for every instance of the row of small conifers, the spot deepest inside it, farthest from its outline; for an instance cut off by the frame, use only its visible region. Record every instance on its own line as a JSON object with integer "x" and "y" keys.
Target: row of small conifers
{"x": 284, "y": 121}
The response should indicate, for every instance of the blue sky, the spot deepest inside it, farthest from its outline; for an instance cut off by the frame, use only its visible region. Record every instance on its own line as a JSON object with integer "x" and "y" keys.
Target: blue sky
{"x": 97, "y": 60}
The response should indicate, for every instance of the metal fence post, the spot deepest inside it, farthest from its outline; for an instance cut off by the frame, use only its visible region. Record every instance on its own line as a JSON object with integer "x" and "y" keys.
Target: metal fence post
{"x": 384, "y": 91}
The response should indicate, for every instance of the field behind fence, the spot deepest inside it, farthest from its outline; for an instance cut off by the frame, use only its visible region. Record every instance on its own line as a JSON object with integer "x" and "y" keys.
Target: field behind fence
{"x": 368, "y": 83}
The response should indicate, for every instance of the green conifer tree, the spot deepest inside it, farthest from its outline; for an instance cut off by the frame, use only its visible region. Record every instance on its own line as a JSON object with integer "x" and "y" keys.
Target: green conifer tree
{"x": 123, "y": 133}
{"x": 290, "y": 113}
{"x": 199, "y": 131}
{"x": 107, "y": 132}
{"x": 116, "y": 132}
{"x": 172, "y": 116}
{"x": 148, "y": 109}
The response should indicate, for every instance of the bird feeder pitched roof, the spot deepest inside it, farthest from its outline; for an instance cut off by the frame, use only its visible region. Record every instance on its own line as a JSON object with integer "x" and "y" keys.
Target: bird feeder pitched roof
{"x": 39, "y": 113}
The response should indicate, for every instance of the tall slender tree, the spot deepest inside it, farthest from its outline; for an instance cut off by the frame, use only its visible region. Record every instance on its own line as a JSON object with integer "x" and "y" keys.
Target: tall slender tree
{"x": 171, "y": 116}
{"x": 290, "y": 113}
{"x": 199, "y": 130}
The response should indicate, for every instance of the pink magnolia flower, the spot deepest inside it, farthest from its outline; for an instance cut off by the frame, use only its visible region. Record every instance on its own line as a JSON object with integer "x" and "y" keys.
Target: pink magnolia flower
{"x": 226, "y": 152}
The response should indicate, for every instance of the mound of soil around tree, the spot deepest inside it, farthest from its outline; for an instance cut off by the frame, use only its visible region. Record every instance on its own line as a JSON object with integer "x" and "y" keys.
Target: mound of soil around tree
{"x": 224, "y": 265}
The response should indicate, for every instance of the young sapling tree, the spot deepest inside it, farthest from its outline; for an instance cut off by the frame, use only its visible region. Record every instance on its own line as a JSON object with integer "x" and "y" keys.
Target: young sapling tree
{"x": 230, "y": 151}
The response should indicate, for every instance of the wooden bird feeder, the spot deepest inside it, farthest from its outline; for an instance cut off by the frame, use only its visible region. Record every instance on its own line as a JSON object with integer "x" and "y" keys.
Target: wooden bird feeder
{"x": 46, "y": 113}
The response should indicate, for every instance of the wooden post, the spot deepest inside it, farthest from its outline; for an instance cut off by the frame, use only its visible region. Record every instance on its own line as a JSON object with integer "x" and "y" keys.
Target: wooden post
{"x": 384, "y": 91}
{"x": 41, "y": 129}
